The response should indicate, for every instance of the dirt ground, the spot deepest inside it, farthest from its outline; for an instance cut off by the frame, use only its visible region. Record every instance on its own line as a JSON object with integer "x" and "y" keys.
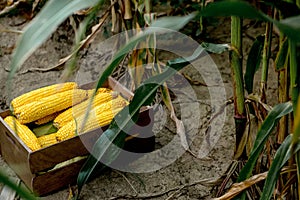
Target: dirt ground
{"x": 186, "y": 178}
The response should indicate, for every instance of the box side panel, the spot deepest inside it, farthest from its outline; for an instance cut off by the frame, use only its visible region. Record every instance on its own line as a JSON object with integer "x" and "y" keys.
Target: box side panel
{"x": 48, "y": 157}
{"x": 116, "y": 86}
{"x": 113, "y": 84}
{"x": 144, "y": 140}
{"x": 14, "y": 153}
{"x": 2, "y": 116}
{"x": 57, "y": 179}
{"x": 140, "y": 140}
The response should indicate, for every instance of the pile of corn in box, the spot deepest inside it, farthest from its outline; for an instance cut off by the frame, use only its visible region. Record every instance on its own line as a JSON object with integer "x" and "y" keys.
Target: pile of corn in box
{"x": 41, "y": 135}
{"x": 64, "y": 107}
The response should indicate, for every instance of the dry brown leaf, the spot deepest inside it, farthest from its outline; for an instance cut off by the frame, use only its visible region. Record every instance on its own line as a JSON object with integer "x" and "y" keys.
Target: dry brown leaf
{"x": 34, "y": 5}
{"x": 237, "y": 188}
{"x": 10, "y": 6}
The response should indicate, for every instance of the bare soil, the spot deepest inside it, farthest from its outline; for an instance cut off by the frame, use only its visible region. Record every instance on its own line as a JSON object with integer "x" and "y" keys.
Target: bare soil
{"x": 186, "y": 178}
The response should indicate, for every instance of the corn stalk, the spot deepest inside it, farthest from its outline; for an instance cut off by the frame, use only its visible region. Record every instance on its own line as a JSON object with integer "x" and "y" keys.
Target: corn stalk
{"x": 283, "y": 95}
{"x": 238, "y": 82}
{"x": 294, "y": 76}
{"x": 201, "y": 26}
{"x": 266, "y": 58}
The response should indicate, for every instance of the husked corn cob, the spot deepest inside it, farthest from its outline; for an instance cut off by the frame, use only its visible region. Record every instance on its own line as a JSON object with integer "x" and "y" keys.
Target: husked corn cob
{"x": 41, "y": 93}
{"x": 25, "y": 134}
{"x": 94, "y": 121}
{"x": 47, "y": 140}
{"x": 49, "y": 105}
{"x": 112, "y": 105}
{"x": 46, "y": 119}
{"x": 81, "y": 108}
{"x": 100, "y": 90}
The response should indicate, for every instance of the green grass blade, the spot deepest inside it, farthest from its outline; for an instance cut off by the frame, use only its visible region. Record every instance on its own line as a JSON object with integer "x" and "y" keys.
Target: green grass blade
{"x": 103, "y": 149}
{"x": 264, "y": 132}
{"x": 42, "y": 26}
{"x": 22, "y": 192}
{"x": 253, "y": 62}
{"x": 283, "y": 154}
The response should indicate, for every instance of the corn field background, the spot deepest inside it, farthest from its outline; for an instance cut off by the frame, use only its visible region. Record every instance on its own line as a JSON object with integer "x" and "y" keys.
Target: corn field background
{"x": 188, "y": 177}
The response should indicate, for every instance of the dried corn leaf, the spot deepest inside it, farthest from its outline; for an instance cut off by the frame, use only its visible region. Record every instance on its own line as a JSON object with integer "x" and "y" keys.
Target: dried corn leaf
{"x": 239, "y": 187}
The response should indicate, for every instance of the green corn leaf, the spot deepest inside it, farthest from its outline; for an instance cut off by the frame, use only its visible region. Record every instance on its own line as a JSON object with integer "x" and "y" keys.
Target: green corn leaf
{"x": 283, "y": 154}
{"x": 282, "y": 55}
{"x": 115, "y": 133}
{"x": 174, "y": 22}
{"x": 155, "y": 27}
{"x": 253, "y": 62}
{"x": 287, "y": 9}
{"x": 104, "y": 150}
{"x": 21, "y": 191}
{"x": 289, "y": 26}
{"x": 264, "y": 132}
{"x": 44, "y": 129}
{"x": 233, "y": 8}
{"x": 215, "y": 48}
{"x": 42, "y": 26}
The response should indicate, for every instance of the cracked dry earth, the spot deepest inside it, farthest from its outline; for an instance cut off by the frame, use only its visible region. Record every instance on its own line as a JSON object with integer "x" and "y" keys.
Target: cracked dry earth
{"x": 187, "y": 177}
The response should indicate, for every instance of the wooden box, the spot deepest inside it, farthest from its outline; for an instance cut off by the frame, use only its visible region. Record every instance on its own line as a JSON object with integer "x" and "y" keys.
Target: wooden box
{"x": 35, "y": 168}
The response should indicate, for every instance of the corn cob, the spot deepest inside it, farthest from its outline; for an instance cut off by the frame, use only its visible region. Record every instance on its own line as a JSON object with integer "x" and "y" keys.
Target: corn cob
{"x": 48, "y": 105}
{"x": 46, "y": 119}
{"x": 47, "y": 140}
{"x": 112, "y": 105}
{"x": 95, "y": 120}
{"x": 25, "y": 134}
{"x": 100, "y": 90}
{"x": 81, "y": 108}
{"x": 41, "y": 93}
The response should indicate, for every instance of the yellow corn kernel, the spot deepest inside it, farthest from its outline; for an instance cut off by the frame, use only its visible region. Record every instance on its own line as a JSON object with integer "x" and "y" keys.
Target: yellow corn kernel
{"x": 67, "y": 131}
{"x": 95, "y": 120}
{"x": 46, "y": 119}
{"x": 25, "y": 134}
{"x": 100, "y": 90}
{"x": 49, "y": 105}
{"x": 47, "y": 140}
{"x": 41, "y": 93}
{"x": 81, "y": 108}
{"x": 114, "y": 104}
